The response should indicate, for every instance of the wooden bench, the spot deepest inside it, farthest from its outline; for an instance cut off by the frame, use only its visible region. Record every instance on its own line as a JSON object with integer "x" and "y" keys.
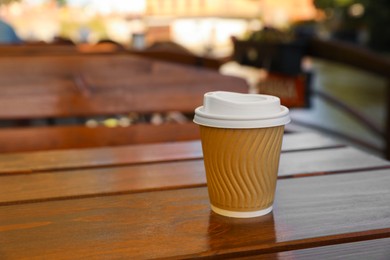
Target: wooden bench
{"x": 107, "y": 48}
{"x": 36, "y": 87}
{"x": 34, "y": 49}
{"x": 47, "y": 49}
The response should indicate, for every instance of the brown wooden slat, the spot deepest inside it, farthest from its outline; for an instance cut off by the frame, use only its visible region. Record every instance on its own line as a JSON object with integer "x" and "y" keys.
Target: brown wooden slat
{"x": 88, "y": 85}
{"x": 44, "y": 49}
{"x": 131, "y": 84}
{"x": 162, "y": 54}
{"x": 16, "y": 188}
{"x": 47, "y": 49}
{"x": 27, "y": 139}
{"x": 99, "y": 157}
{"x": 327, "y": 161}
{"x": 136, "y": 79}
{"x": 185, "y": 99}
{"x": 308, "y": 212}
{"x": 377, "y": 249}
{"x": 93, "y": 182}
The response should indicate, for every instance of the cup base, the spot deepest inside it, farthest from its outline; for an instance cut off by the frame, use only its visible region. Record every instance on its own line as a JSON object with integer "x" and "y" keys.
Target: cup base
{"x": 241, "y": 214}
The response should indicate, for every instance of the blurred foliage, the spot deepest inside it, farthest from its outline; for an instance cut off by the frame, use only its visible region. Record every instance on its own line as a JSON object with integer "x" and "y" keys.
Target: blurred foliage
{"x": 375, "y": 18}
{"x": 61, "y": 2}
{"x": 322, "y": 4}
{"x": 95, "y": 26}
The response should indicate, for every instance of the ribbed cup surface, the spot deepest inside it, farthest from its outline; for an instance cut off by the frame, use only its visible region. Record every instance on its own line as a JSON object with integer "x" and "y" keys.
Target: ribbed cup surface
{"x": 241, "y": 166}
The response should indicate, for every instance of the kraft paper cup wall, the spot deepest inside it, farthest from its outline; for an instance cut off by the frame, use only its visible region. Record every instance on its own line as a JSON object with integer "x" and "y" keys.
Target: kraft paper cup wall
{"x": 241, "y": 140}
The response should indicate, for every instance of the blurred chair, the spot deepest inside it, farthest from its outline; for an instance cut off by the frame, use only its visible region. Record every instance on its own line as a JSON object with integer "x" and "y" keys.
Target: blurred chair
{"x": 87, "y": 86}
{"x": 168, "y": 46}
{"x": 60, "y": 40}
{"x": 174, "y": 52}
{"x": 102, "y": 46}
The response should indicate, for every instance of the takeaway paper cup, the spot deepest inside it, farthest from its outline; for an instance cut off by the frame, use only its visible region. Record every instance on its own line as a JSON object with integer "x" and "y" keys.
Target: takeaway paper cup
{"x": 241, "y": 140}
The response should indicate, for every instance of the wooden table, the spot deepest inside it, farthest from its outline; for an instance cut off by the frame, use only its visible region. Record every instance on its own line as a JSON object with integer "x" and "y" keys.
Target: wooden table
{"x": 150, "y": 201}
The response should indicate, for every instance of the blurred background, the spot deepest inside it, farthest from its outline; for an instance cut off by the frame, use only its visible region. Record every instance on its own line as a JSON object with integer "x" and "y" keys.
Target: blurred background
{"x": 213, "y": 28}
{"x": 199, "y": 25}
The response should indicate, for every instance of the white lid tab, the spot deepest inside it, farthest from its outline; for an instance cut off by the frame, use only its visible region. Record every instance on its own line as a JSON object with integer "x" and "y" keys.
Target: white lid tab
{"x": 235, "y": 110}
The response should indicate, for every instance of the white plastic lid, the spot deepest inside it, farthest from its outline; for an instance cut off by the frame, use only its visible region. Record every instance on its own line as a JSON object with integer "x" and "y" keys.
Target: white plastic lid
{"x": 234, "y": 110}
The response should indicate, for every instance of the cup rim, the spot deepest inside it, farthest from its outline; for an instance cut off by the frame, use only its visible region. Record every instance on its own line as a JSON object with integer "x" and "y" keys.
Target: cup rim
{"x": 226, "y": 121}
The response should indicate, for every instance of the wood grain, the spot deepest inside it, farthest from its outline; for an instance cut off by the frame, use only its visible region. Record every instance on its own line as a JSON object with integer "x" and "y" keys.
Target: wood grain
{"x": 49, "y": 86}
{"x": 328, "y": 161}
{"x": 47, "y": 49}
{"x": 141, "y": 153}
{"x": 83, "y": 86}
{"x": 28, "y": 139}
{"x": 84, "y": 49}
{"x": 309, "y": 212}
{"x": 54, "y": 185}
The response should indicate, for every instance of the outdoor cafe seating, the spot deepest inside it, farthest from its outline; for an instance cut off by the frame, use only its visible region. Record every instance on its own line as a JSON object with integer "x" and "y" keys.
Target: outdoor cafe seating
{"x": 125, "y": 187}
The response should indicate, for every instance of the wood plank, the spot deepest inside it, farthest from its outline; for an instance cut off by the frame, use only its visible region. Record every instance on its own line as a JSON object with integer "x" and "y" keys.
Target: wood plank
{"x": 47, "y": 49}
{"x": 55, "y": 185}
{"x": 110, "y": 48}
{"x": 185, "y": 99}
{"x": 328, "y": 161}
{"x": 126, "y": 155}
{"x": 99, "y": 181}
{"x": 102, "y": 82}
{"x": 377, "y": 249}
{"x": 308, "y": 212}
{"x": 82, "y": 86}
{"x": 51, "y": 83}
{"x": 74, "y": 137}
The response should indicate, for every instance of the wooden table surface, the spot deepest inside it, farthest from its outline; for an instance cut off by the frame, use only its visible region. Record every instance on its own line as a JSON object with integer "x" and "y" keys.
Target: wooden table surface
{"x": 150, "y": 201}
